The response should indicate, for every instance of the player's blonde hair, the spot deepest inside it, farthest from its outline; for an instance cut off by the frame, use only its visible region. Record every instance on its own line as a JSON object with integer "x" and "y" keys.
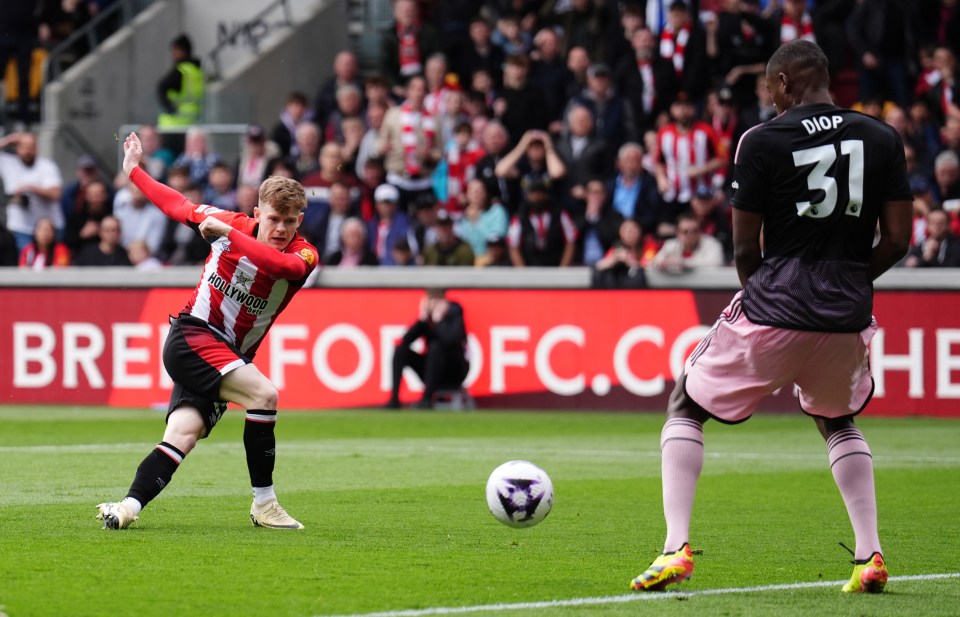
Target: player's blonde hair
{"x": 284, "y": 194}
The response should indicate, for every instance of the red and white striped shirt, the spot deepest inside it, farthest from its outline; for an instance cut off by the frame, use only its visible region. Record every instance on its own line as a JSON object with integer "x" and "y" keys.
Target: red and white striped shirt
{"x": 679, "y": 151}
{"x": 246, "y": 284}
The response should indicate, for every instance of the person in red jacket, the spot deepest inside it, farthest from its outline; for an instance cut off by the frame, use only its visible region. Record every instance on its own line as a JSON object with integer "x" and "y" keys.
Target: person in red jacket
{"x": 255, "y": 267}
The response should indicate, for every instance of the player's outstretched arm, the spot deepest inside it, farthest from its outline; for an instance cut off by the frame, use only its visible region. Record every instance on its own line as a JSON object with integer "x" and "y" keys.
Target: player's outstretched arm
{"x": 169, "y": 201}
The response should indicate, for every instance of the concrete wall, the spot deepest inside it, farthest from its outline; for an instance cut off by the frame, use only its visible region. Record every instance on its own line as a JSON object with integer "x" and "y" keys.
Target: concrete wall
{"x": 261, "y": 61}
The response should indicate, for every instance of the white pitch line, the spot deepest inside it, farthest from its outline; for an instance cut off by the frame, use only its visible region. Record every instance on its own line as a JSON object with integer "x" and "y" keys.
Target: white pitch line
{"x": 327, "y": 448}
{"x": 635, "y": 597}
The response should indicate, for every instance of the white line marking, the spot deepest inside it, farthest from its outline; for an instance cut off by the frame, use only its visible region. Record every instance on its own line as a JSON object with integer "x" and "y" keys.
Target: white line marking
{"x": 634, "y": 597}
{"x": 327, "y": 448}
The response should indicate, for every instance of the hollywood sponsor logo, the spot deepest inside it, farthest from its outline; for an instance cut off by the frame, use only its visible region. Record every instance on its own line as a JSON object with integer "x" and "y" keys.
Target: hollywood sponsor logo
{"x": 255, "y": 304}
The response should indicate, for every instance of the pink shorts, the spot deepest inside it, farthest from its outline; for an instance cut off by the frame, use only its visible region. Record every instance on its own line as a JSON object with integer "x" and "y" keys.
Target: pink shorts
{"x": 739, "y": 362}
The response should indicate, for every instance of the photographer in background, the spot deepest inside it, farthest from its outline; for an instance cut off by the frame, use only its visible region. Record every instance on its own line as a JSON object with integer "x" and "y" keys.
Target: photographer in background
{"x": 443, "y": 365}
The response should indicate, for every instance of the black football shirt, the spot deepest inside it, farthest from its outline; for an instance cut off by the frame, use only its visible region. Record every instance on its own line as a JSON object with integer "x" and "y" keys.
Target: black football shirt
{"x": 819, "y": 175}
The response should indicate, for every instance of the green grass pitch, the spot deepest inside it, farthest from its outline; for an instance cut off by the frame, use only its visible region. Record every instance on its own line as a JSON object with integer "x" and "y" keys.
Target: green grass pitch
{"x": 396, "y": 519}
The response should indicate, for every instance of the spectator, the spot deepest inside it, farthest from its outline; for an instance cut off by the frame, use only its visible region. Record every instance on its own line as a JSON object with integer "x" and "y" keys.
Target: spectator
{"x": 389, "y": 224}
{"x": 946, "y": 174}
{"x": 402, "y": 254}
{"x": 140, "y": 219}
{"x": 712, "y": 218}
{"x": 444, "y": 363}
{"x": 481, "y": 218}
{"x": 687, "y": 157}
{"x": 284, "y": 132}
{"x": 549, "y": 74}
{"x": 633, "y": 191}
{"x": 354, "y": 250}
{"x": 541, "y": 233}
{"x": 408, "y": 141}
{"x": 107, "y": 251}
{"x": 73, "y": 194}
{"x": 307, "y": 159}
{"x": 622, "y": 266}
{"x": 829, "y": 26}
{"x": 881, "y": 34}
{"x": 332, "y": 217}
{"x": 795, "y": 21}
{"x": 353, "y": 131}
{"x": 944, "y": 96}
{"x": 598, "y": 226}
{"x": 739, "y": 42}
{"x": 423, "y": 227}
{"x": 43, "y": 250}
{"x": 690, "y": 249}
{"x": 612, "y": 115}
{"x": 196, "y": 155}
{"x": 940, "y": 249}
{"x": 33, "y": 185}
{"x": 248, "y": 198}
{"x": 346, "y": 72}
{"x": 631, "y": 21}
{"x": 376, "y": 90}
{"x": 437, "y": 85}
{"x": 683, "y": 44}
{"x": 318, "y": 188}
{"x": 756, "y": 112}
{"x": 368, "y": 143}
{"x": 59, "y": 20}
{"x": 407, "y": 44}
{"x": 373, "y": 176}
{"x": 156, "y": 158}
{"x": 723, "y": 118}
{"x": 533, "y": 159}
{"x": 220, "y": 192}
{"x": 519, "y": 105}
{"x": 182, "y": 243}
{"x": 510, "y": 37}
{"x": 448, "y": 250}
{"x": 586, "y": 24}
{"x": 9, "y": 256}
{"x": 83, "y": 226}
{"x": 495, "y": 141}
{"x": 578, "y": 61}
{"x": 480, "y": 53}
{"x": 582, "y": 152}
{"x": 349, "y": 105}
{"x": 18, "y": 37}
{"x": 255, "y": 156}
{"x": 461, "y": 156}
{"x": 496, "y": 255}
{"x": 181, "y": 90}
{"x": 141, "y": 258}
{"x": 648, "y": 81}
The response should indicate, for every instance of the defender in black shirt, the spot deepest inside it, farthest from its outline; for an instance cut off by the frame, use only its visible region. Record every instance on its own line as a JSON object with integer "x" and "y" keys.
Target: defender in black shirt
{"x": 821, "y": 209}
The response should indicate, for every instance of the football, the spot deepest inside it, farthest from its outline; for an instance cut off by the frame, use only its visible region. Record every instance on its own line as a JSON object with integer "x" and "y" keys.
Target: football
{"x": 519, "y": 494}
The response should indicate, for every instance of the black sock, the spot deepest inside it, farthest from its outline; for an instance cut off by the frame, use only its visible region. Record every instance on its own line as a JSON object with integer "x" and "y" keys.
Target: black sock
{"x": 261, "y": 445}
{"x": 154, "y": 472}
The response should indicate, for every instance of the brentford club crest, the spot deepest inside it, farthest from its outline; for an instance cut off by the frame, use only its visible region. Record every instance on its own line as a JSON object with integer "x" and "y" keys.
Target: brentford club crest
{"x": 242, "y": 280}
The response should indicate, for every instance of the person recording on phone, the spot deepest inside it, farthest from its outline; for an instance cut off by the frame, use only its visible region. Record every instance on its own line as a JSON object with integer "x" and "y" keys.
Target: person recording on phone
{"x": 443, "y": 364}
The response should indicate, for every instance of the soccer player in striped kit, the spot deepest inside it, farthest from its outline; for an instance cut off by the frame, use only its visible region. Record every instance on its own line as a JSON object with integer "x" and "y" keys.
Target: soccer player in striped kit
{"x": 255, "y": 267}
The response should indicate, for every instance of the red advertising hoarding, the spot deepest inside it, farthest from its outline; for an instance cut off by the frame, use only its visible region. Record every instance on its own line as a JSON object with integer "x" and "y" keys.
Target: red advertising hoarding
{"x": 528, "y": 348}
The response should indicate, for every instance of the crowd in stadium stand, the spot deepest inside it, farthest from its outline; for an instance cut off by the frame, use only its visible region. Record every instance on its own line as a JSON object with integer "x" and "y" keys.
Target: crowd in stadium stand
{"x": 537, "y": 133}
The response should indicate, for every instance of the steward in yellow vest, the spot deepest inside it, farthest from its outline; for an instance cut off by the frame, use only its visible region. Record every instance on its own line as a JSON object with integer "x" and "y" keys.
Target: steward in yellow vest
{"x": 181, "y": 90}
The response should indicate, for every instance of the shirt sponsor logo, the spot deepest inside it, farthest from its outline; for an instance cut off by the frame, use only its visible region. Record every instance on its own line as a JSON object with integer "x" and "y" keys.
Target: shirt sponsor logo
{"x": 255, "y": 304}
